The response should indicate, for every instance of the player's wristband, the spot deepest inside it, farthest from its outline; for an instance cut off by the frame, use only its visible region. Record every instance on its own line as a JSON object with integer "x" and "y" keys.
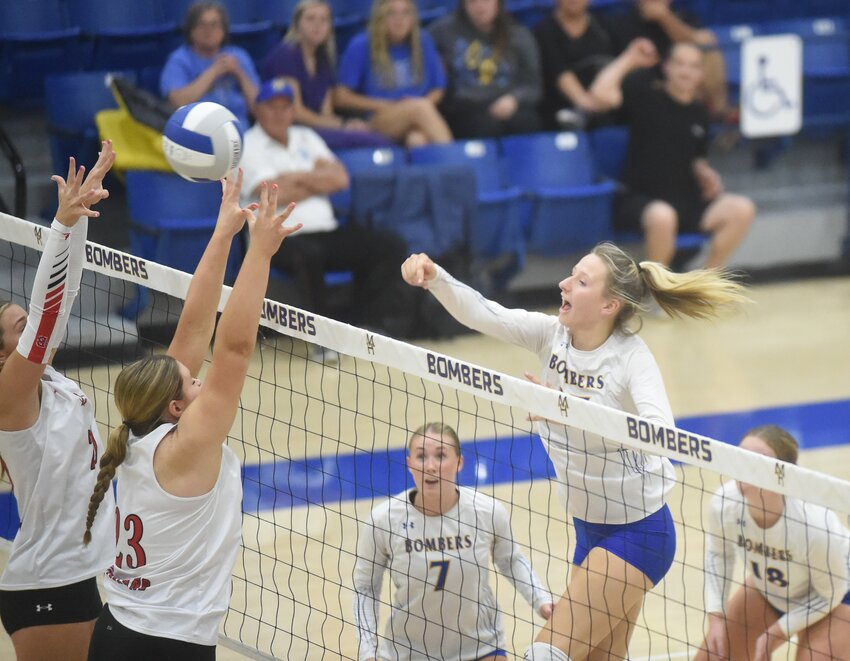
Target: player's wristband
{"x": 49, "y": 309}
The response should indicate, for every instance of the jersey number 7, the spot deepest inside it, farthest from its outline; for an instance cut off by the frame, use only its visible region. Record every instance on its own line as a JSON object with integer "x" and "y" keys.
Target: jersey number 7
{"x": 443, "y": 566}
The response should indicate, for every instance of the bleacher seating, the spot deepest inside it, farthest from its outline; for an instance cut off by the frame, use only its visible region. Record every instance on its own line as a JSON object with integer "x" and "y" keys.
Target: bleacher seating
{"x": 124, "y": 34}
{"x": 37, "y": 39}
{"x": 364, "y": 159}
{"x": 497, "y": 229}
{"x": 569, "y": 208}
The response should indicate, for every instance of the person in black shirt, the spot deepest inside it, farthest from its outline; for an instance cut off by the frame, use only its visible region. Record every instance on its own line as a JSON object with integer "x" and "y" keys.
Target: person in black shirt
{"x": 669, "y": 186}
{"x": 573, "y": 49}
{"x": 657, "y": 21}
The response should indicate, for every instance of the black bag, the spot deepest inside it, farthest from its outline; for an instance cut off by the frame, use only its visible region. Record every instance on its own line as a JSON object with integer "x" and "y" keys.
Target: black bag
{"x": 143, "y": 106}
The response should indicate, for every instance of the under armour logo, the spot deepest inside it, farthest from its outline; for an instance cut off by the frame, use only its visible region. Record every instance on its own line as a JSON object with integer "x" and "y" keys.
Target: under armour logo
{"x": 407, "y": 525}
{"x": 39, "y": 608}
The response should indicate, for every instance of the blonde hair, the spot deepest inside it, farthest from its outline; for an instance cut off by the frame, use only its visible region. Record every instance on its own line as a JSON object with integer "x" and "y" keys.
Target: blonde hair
{"x": 438, "y": 429}
{"x": 328, "y": 46}
{"x": 379, "y": 50}
{"x": 699, "y": 294}
{"x": 784, "y": 446}
{"x": 143, "y": 391}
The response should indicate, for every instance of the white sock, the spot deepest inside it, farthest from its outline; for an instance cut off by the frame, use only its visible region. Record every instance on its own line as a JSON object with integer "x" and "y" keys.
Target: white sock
{"x": 544, "y": 652}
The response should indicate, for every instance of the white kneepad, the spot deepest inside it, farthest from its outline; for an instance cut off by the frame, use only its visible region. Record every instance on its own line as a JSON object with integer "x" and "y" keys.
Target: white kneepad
{"x": 544, "y": 652}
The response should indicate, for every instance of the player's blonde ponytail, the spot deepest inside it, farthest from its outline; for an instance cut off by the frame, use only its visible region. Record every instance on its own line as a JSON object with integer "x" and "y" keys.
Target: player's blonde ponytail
{"x": 143, "y": 391}
{"x": 699, "y": 294}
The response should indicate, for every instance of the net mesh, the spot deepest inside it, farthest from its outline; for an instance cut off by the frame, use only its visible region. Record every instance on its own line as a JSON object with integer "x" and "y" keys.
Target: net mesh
{"x": 323, "y": 443}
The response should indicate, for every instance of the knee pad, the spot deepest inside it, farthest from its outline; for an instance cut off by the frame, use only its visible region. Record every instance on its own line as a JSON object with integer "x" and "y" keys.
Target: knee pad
{"x": 544, "y": 652}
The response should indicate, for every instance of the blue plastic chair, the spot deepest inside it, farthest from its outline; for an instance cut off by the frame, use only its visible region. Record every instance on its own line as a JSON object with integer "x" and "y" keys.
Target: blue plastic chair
{"x": 497, "y": 230}
{"x": 826, "y": 69}
{"x": 730, "y": 12}
{"x": 279, "y": 12}
{"x": 528, "y": 12}
{"x": 125, "y": 34}
{"x": 71, "y": 100}
{"x": 431, "y": 10}
{"x": 729, "y": 40}
{"x": 173, "y": 219}
{"x": 364, "y": 159}
{"x": 569, "y": 210}
{"x": 36, "y": 40}
{"x": 609, "y": 145}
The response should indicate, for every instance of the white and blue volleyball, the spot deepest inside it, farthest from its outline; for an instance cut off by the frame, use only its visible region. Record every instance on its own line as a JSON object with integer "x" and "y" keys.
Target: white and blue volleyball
{"x": 202, "y": 141}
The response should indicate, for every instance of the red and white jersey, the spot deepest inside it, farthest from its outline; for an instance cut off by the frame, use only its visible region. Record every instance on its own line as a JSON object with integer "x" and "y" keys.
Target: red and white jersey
{"x": 603, "y": 481}
{"x": 799, "y": 564}
{"x": 443, "y": 605}
{"x": 53, "y": 466}
{"x": 175, "y": 555}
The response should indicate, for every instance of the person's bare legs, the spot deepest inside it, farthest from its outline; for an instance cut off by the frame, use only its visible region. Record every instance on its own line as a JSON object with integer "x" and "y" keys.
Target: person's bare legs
{"x": 616, "y": 646}
{"x": 69, "y": 642}
{"x": 748, "y": 615}
{"x": 660, "y": 225}
{"x": 602, "y": 593}
{"x": 728, "y": 219}
{"x": 396, "y": 121}
{"x": 827, "y": 639}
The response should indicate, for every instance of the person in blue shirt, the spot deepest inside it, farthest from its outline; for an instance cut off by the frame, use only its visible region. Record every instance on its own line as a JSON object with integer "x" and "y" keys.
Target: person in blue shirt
{"x": 393, "y": 75}
{"x": 206, "y": 69}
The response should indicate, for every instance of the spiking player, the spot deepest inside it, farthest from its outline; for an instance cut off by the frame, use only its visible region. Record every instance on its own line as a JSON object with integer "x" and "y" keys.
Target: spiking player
{"x": 796, "y": 561}
{"x": 179, "y": 517}
{"x": 50, "y": 444}
{"x": 624, "y": 531}
{"x": 437, "y": 541}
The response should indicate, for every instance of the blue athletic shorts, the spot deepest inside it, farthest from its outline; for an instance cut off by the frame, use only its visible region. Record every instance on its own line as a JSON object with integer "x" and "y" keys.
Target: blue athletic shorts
{"x": 846, "y": 600}
{"x": 493, "y": 653}
{"x": 648, "y": 544}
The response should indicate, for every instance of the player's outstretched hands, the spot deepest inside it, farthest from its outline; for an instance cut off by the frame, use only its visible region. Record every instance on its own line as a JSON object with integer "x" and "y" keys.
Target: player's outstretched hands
{"x": 418, "y": 269}
{"x": 231, "y": 215}
{"x": 77, "y": 193}
{"x": 266, "y": 226}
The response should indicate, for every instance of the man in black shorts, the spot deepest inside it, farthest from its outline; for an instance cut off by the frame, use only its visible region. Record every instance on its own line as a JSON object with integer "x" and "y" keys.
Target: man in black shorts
{"x": 669, "y": 185}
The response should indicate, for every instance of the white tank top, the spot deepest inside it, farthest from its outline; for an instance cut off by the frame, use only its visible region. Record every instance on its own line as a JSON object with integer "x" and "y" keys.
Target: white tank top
{"x": 53, "y": 466}
{"x": 171, "y": 576}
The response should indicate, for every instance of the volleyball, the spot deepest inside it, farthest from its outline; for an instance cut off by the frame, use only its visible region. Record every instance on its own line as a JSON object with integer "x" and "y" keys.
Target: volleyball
{"x": 202, "y": 141}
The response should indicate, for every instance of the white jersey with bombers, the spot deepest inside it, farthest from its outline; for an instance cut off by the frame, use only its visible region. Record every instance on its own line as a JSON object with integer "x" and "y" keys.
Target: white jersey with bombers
{"x": 171, "y": 576}
{"x": 605, "y": 481}
{"x": 799, "y": 564}
{"x": 53, "y": 467}
{"x": 443, "y": 606}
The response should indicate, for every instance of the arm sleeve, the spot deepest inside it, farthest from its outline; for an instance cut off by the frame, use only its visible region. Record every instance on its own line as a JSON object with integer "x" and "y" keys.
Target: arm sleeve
{"x": 57, "y": 281}
{"x": 368, "y": 577}
{"x": 511, "y": 561}
{"x": 719, "y": 552}
{"x": 646, "y": 387}
{"x": 828, "y": 556}
{"x": 528, "y": 80}
{"x": 530, "y": 330}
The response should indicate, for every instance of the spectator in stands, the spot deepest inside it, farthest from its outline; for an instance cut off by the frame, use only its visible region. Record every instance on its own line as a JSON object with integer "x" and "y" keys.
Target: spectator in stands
{"x": 392, "y": 74}
{"x": 206, "y": 69}
{"x": 669, "y": 185}
{"x": 307, "y": 56}
{"x": 495, "y": 84}
{"x": 664, "y": 26}
{"x": 574, "y": 47}
{"x": 305, "y": 171}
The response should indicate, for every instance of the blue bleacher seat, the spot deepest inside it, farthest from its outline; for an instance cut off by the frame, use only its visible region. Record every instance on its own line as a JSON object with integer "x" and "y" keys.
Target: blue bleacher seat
{"x": 569, "y": 209}
{"x": 172, "y": 219}
{"x": 364, "y": 159}
{"x": 431, "y": 10}
{"x": 729, "y": 12}
{"x": 71, "y": 100}
{"x": 497, "y": 230}
{"x": 729, "y": 39}
{"x": 125, "y": 34}
{"x": 826, "y": 68}
{"x": 279, "y": 12}
{"x": 36, "y": 39}
{"x": 608, "y": 145}
{"x": 528, "y": 12}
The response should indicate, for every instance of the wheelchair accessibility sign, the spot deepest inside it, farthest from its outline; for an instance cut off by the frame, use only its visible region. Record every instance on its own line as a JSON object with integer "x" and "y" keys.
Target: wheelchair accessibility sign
{"x": 771, "y": 85}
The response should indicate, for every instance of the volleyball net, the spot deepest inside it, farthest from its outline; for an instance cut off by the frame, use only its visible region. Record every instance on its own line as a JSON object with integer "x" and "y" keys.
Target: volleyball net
{"x": 323, "y": 444}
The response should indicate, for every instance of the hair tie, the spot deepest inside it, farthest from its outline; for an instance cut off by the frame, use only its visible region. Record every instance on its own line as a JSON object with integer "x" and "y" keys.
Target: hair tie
{"x": 126, "y": 423}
